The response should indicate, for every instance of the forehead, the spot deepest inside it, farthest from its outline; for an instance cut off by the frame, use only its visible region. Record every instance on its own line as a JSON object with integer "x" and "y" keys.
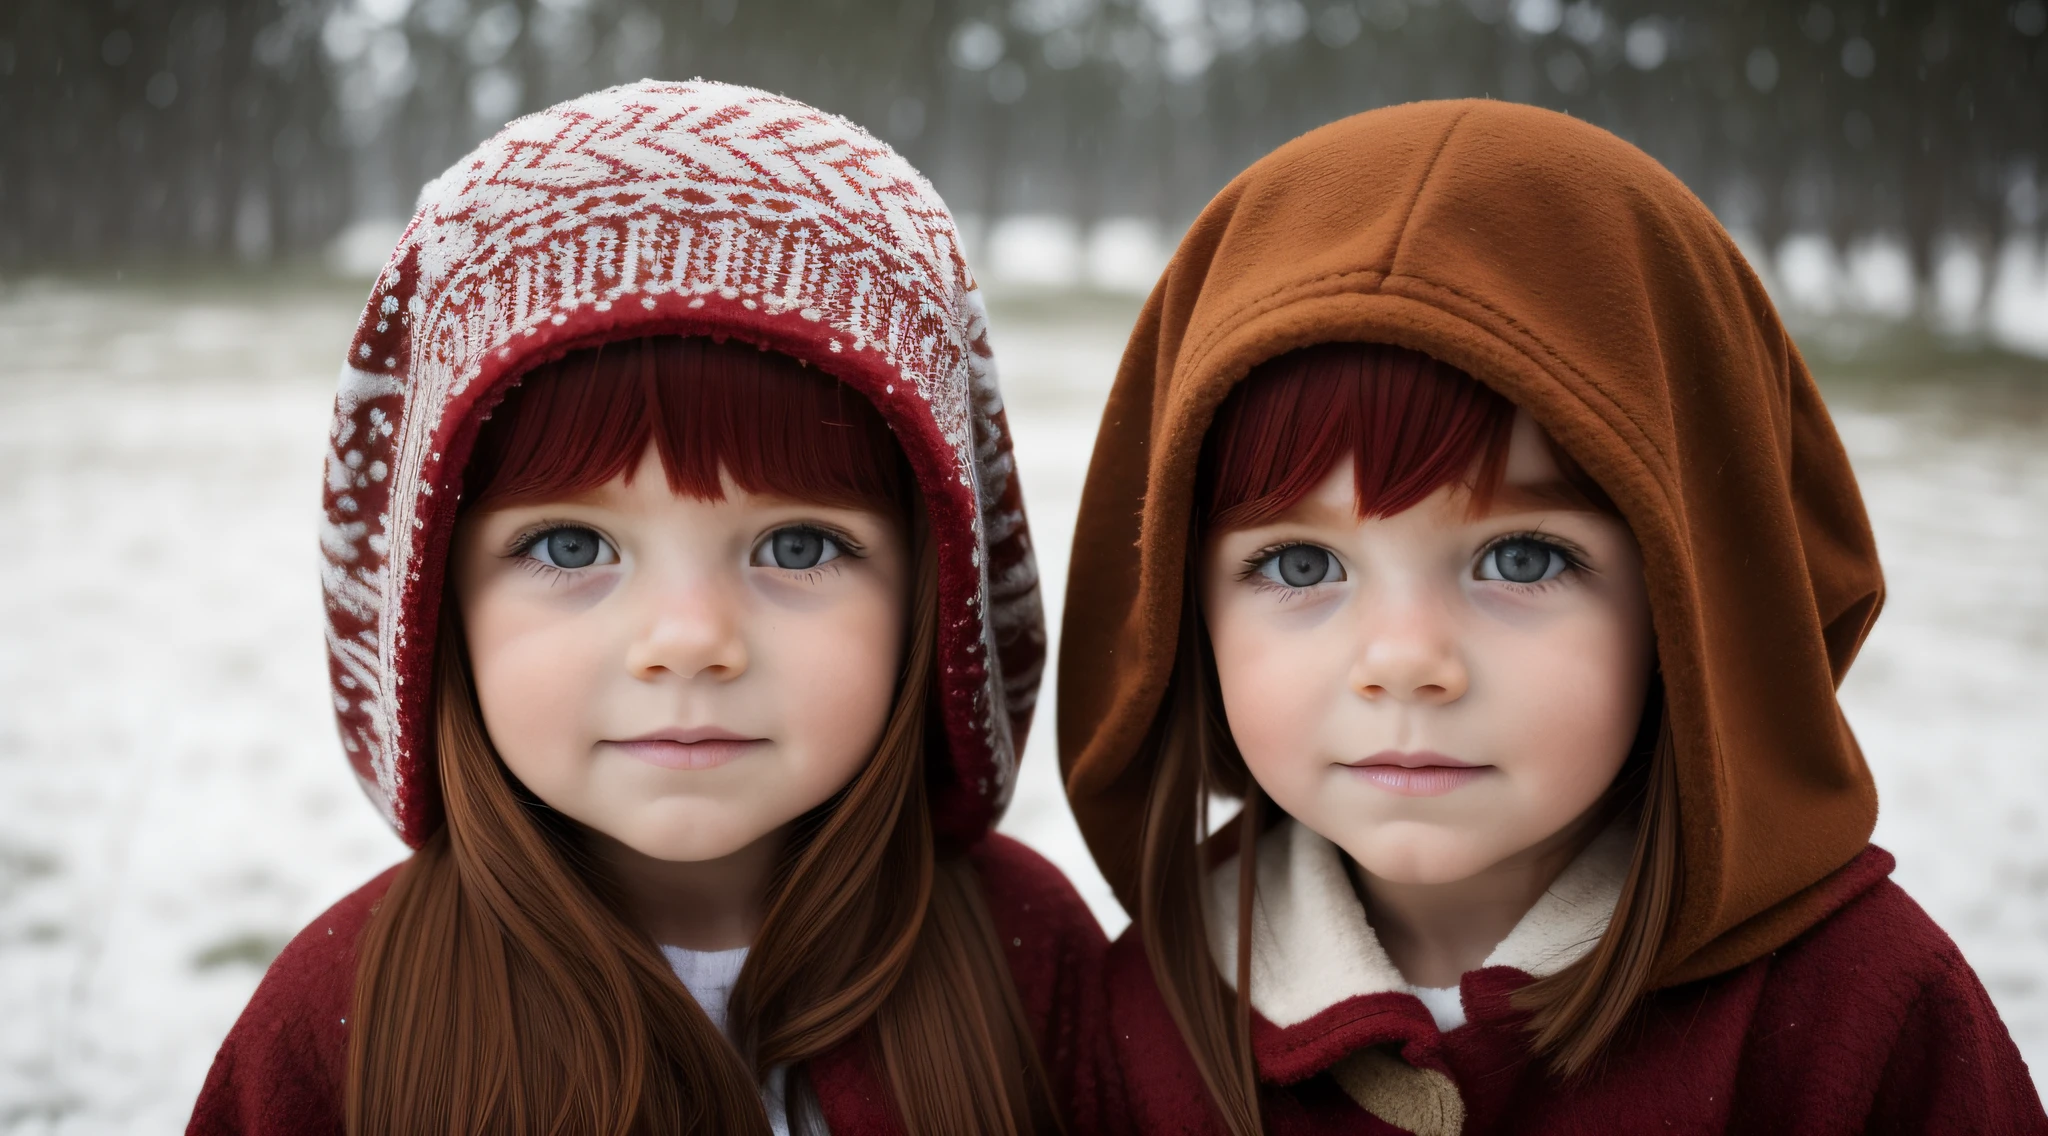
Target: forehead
{"x": 1531, "y": 481}
{"x": 645, "y": 486}
{"x": 1531, "y": 478}
{"x": 648, "y": 482}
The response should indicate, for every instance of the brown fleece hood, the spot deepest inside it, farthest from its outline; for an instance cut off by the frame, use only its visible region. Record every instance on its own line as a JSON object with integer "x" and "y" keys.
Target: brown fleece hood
{"x": 1569, "y": 271}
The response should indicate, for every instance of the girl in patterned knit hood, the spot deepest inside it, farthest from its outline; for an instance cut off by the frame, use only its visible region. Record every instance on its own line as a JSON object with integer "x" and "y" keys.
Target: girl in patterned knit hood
{"x": 1463, "y": 509}
{"x": 683, "y": 618}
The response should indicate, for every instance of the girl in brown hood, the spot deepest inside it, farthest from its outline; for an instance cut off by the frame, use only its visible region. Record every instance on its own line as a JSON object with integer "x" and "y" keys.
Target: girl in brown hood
{"x": 682, "y": 617}
{"x": 1463, "y": 509}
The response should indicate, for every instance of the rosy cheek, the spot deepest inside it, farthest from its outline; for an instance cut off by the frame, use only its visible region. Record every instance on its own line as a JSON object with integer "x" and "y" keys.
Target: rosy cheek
{"x": 536, "y": 680}
{"x": 839, "y": 675}
{"x": 1574, "y": 697}
{"x": 1272, "y": 685}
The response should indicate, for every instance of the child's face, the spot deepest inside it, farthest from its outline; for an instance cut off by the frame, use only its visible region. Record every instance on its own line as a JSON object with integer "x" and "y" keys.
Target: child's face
{"x": 683, "y": 676}
{"x": 1434, "y": 692}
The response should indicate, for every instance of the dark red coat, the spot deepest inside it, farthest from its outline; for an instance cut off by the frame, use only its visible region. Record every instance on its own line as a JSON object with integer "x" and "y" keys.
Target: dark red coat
{"x": 1568, "y": 272}
{"x": 1869, "y": 1022}
{"x": 652, "y": 209}
{"x": 281, "y": 1069}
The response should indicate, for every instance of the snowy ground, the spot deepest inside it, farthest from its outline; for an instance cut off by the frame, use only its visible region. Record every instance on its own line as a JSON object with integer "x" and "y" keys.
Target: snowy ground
{"x": 173, "y": 804}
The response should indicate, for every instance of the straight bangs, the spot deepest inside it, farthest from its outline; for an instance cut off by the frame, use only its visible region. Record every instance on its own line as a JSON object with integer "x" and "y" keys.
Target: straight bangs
{"x": 771, "y": 424}
{"x": 500, "y": 988}
{"x": 1409, "y": 423}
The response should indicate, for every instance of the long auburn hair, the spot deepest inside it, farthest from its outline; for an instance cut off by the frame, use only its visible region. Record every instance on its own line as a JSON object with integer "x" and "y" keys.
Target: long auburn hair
{"x": 1411, "y": 425}
{"x": 499, "y": 989}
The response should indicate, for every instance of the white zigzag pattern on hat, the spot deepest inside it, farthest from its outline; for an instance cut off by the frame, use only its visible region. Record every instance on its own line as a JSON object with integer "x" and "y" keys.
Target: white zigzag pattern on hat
{"x": 620, "y": 196}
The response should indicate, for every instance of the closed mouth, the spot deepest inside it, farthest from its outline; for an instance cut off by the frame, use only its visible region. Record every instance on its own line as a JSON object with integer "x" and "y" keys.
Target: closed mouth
{"x": 701, "y": 748}
{"x": 1418, "y": 774}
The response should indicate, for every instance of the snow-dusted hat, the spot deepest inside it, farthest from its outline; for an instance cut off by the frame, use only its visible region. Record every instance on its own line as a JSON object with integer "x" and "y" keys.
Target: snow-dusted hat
{"x": 686, "y": 209}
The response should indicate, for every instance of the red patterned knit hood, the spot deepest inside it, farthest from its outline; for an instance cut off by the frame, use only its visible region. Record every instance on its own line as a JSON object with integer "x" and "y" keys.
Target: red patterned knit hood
{"x": 670, "y": 209}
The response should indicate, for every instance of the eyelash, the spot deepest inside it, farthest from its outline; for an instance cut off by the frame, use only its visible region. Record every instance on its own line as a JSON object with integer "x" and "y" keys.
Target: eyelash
{"x": 847, "y": 545}
{"x": 1251, "y": 564}
{"x": 1574, "y": 561}
{"x": 848, "y": 548}
{"x": 524, "y": 542}
{"x": 1574, "y": 558}
{"x": 1250, "y": 572}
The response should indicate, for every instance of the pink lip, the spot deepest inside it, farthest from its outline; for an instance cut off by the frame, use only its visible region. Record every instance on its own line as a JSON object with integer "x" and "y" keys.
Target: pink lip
{"x": 706, "y": 747}
{"x": 1418, "y": 774}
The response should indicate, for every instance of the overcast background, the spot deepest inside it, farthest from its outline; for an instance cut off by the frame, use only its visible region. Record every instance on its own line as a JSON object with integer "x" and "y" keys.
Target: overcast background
{"x": 194, "y": 195}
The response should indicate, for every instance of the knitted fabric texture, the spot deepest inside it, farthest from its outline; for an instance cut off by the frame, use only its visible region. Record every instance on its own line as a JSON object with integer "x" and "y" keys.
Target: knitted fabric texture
{"x": 671, "y": 209}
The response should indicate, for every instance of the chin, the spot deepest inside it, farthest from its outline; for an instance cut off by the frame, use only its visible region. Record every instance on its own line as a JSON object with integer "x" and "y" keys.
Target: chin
{"x": 695, "y": 851}
{"x": 689, "y": 840}
{"x": 1417, "y": 854}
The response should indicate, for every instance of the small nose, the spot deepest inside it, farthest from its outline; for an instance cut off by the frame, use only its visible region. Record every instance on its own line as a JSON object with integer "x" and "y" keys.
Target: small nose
{"x": 1409, "y": 652}
{"x": 688, "y": 629}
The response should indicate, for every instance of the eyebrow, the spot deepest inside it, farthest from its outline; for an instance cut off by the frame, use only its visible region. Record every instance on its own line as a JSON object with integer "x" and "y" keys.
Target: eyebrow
{"x": 595, "y": 497}
{"x": 1551, "y": 495}
{"x": 1555, "y": 493}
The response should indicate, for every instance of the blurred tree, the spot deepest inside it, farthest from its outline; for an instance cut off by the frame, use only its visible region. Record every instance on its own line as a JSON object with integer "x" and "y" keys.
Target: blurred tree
{"x": 135, "y": 130}
{"x": 257, "y": 128}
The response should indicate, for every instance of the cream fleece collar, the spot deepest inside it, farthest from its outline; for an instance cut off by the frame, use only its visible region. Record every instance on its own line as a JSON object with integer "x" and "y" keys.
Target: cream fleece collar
{"x": 1312, "y": 947}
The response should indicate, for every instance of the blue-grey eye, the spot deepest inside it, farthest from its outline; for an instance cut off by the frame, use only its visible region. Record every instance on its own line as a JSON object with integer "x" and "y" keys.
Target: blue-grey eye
{"x": 1522, "y": 561}
{"x": 569, "y": 548}
{"x": 1301, "y": 566}
{"x": 796, "y": 548}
